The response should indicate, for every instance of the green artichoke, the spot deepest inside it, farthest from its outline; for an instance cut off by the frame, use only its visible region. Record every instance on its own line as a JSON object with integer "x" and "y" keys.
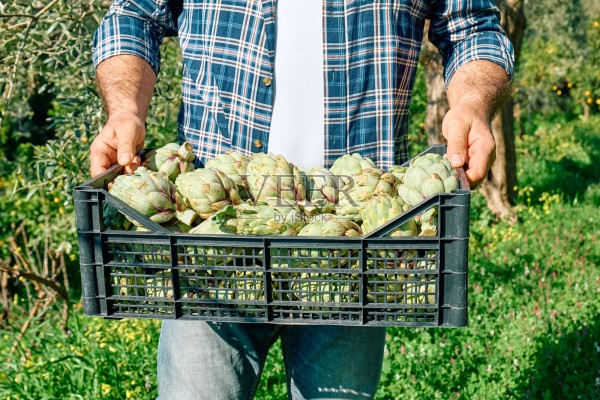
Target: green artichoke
{"x": 171, "y": 159}
{"x": 324, "y": 288}
{"x": 386, "y": 288}
{"x": 270, "y": 217}
{"x": 273, "y": 177}
{"x": 381, "y": 209}
{"x": 159, "y": 285}
{"x": 114, "y": 219}
{"x": 323, "y": 192}
{"x": 421, "y": 293}
{"x": 233, "y": 165}
{"x": 153, "y": 195}
{"x": 329, "y": 225}
{"x": 427, "y": 175}
{"x": 224, "y": 222}
{"x": 398, "y": 172}
{"x": 207, "y": 190}
{"x": 213, "y": 286}
{"x": 132, "y": 283}
{"x": 428, "y": 222}
{"x": 363, "y": 186}
{"x": 350, "y": 164}
{"x": 308, "y": 257}
{"x": 248, "y": 285}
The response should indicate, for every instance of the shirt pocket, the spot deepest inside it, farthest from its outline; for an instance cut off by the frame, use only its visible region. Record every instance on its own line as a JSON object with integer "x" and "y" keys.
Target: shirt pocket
{"x": 197, "y": 69}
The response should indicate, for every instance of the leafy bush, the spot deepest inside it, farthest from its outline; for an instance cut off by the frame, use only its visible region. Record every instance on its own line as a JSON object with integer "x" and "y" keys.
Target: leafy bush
{"x": 561, "y": 158}
{"x": 559, "y": 63}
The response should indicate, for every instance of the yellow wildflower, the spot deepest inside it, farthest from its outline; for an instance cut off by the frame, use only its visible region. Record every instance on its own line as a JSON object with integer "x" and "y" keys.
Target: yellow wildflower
{"x": 106, "y": 388}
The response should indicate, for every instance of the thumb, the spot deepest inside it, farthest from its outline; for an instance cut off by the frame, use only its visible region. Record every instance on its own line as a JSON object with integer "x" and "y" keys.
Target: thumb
{"x": 456, "y": 131}
{"x": 127, "y": 133}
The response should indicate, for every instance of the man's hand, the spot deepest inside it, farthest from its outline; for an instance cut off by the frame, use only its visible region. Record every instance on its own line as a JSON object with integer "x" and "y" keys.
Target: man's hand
{"x": 119, "y": 141}
{"x": 470, "y": 142}
{"x": 475, "y": 92}
{"x": 126, "y": 83}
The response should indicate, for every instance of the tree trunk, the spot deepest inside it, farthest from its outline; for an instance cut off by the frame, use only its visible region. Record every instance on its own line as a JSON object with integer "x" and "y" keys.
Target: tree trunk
{"x": 437, "y": 99}
{"x": 500, "y": 187}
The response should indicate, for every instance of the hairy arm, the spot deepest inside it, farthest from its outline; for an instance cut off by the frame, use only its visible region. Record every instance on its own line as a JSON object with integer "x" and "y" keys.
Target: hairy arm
{"x": 126, "y": 83}
{"x": 475, "y": 92}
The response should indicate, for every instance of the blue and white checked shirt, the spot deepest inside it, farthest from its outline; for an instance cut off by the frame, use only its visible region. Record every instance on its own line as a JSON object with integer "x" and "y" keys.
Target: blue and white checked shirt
{"x": 370, "y": 52}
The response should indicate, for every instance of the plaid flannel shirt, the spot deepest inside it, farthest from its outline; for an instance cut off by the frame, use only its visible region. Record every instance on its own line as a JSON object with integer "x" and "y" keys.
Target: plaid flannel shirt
{"x": 370, "y": 55}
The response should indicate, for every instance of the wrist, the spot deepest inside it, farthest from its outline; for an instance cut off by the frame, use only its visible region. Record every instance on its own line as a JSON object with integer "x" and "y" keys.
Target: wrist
{"x": 122, "y": 114}
{"x": 473, "y": 109}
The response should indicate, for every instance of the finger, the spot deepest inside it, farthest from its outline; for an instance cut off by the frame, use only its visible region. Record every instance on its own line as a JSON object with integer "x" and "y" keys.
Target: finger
{"x": 456, "y": 132}
{"x": 481, "y": 159}
{"x": 128, "y": 133}
{"x": 130, "y": 169}
{"x": 102, "y": 156}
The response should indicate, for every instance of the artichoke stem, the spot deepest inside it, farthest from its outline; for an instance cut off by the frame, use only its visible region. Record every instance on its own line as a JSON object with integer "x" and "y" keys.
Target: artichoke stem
{"x": 187, "y": 216}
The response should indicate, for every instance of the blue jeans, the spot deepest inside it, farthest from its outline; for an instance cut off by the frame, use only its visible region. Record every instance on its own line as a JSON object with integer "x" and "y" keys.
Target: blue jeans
{"x": 218, "y": 361}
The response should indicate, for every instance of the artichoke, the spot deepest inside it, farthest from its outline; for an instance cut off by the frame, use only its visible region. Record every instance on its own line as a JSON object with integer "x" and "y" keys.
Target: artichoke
{"x": 207, "y": 190}
{"x": 421, "y": 293}
{"x": 394, "y": 277}
{"x": 427, "y": 175}
{"x": 329, "y": 225}
{"x": 381, "y": 209}
{"x": 160, "y": 285}
{"x": 114, "y": 219}
{"x": 153, "y": 195}
{"x": 363, "y": 186}
{"x": 398, "y": 172}
{"x": 248, "y": 285}
{"x": 273, "y": 177}
{"x": 350, "y": 164}
{"x": 386, "y": 288}
{"x": 233, "y": 165}
{"x": 223, "y": 222}
{"x": 428, "y": 222}
{"x": 270, "y": 217}
{"x": 323, "y": 193}
{"x": 131, "y": 283}
{"x": 307, "y": 257}
{"x": 171, "y": 159}
{"x": 324, "y": 288}
{"x": 207, "y": 287}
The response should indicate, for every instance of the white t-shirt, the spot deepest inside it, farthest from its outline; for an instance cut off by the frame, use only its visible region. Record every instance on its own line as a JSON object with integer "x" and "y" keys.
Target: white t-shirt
{"x": 298, "y": 124}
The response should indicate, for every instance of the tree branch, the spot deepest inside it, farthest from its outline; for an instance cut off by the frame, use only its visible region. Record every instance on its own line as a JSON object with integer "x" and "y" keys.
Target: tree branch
{"x": 40, "y": 279}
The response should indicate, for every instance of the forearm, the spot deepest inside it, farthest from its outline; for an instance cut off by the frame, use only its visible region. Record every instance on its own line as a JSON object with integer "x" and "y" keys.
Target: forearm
{"x": 126, "y": 83}
{"x": 481, "y": 86}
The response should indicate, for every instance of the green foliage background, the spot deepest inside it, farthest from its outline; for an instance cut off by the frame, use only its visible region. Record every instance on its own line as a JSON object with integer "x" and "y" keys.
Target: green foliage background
{"x": 534, "y": 284}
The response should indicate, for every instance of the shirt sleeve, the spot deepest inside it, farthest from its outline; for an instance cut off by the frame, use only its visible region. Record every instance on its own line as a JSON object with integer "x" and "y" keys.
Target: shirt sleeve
{"x": 467, "y": 30}
{"x": 134, "y": 27}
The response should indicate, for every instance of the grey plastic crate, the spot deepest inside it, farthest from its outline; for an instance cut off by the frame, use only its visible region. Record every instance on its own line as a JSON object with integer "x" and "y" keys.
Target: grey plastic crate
{"x": 375, "y": 280}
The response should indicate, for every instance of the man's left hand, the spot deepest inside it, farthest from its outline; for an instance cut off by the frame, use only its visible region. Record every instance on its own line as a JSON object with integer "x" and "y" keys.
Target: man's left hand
{"x": 470, "y": 142}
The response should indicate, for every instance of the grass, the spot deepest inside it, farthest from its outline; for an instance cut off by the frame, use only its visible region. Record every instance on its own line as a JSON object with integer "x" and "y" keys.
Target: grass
{"x": 533, "y": 308}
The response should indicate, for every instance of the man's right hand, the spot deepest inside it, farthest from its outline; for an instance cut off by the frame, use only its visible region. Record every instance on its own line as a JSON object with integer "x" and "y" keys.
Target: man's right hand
{"x": 126, "y": 83}
{"x": 119, "y": 141}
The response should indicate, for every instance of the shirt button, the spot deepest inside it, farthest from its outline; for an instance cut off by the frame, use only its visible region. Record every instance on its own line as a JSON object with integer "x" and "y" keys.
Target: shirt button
{"x": 258, "y": 143}
{"x": 267, "y": 81}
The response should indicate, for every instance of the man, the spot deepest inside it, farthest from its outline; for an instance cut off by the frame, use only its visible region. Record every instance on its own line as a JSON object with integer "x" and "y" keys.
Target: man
{"x": 312, "y": 80}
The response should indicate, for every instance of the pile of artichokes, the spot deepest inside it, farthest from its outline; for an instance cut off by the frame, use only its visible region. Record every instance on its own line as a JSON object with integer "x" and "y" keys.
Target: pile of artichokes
{"x": 264, "y": 194}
